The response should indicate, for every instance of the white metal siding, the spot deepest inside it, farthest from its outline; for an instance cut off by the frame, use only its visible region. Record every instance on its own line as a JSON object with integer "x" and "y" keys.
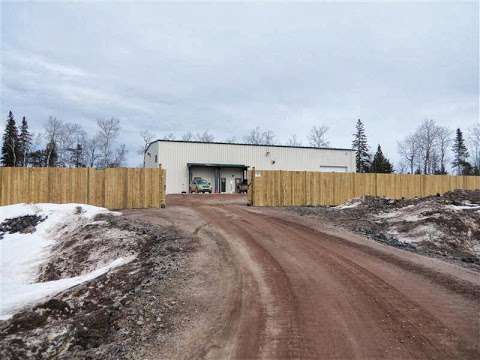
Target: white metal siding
{"x": 174, "y": 156}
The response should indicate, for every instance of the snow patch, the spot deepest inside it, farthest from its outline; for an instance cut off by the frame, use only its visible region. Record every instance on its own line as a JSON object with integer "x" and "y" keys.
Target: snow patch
{"x": 349, "y": 204}
{"x": 463, "y": 207}
{"x": 419, "y": 234}
{"x": 22, "y": 254}
{"x": 17, "y": 295}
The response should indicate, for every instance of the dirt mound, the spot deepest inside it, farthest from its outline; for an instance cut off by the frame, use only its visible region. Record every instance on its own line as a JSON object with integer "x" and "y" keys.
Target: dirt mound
{"x": 22, "y": 224}
{"x": 106, "y": 318}
{"x": 445, "y": 225}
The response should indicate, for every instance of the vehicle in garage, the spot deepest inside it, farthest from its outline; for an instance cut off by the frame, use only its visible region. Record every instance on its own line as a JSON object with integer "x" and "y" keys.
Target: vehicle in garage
{"x": 200, "y": 185}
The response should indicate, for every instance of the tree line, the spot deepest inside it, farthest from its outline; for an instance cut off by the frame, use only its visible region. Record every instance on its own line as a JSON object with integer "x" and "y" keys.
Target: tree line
{"x": 62, "y": 144}
{"x": 317, "y": 137}
{"x": 430, "y": 149}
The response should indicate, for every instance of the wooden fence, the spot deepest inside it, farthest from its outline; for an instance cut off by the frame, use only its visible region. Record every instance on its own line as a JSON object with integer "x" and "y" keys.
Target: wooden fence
{"x": 297, "y": 188}
{"x": 118, "y": 188}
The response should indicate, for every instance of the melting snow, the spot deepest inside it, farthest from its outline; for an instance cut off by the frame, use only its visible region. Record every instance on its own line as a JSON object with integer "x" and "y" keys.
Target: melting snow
{"x": 21, "y": 254}
{"x": 349, "y": 204}
{"x": 463, "y": 207}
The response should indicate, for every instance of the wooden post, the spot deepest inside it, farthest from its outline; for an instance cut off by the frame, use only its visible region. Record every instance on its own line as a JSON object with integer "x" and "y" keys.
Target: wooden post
{"x": 251, "y": 188}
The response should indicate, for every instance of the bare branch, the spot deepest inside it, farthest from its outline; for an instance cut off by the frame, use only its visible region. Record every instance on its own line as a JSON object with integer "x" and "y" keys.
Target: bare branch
{"x": 318, "y": 136}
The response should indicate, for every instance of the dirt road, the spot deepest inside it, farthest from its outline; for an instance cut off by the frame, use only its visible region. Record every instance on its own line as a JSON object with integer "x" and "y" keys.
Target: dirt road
{"x": 271, "y": 285}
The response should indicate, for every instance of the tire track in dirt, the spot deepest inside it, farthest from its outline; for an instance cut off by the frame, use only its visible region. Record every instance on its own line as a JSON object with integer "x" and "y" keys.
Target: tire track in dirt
{"x": 388, "y": 300}
{"x": 400, "y": 327}
{"x": 274, "y": 330}
{"x": 277, "y": 287}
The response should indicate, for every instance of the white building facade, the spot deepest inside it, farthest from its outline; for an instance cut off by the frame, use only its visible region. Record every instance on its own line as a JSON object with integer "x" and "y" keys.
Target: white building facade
{"x": 225, "y": 165}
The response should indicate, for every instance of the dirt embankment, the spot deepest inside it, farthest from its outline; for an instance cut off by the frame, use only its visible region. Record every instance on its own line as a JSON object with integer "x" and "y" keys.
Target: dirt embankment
{"x": 115, "y": 315}
{"x": 446, "y": 226}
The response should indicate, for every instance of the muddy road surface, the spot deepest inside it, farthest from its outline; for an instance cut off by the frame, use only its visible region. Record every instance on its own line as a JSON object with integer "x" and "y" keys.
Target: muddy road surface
{"x": 272, "y": 285}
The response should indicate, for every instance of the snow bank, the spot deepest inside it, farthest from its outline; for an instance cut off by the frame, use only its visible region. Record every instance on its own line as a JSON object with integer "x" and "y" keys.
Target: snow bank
{"x": 17, "y": 295}
{"x": 349, "y": 204}
{"x": 21, "y": 254}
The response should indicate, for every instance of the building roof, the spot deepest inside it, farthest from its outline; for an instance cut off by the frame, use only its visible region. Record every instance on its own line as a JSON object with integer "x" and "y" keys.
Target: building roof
{"x": 244, "y": 144}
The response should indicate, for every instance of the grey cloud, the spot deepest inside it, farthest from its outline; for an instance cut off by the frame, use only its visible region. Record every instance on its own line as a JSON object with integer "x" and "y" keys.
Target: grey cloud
{"x": 229, "y": 67}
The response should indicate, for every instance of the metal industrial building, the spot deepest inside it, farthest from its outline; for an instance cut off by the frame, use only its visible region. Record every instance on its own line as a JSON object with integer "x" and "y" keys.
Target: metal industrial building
{"x": 226, "y": 164}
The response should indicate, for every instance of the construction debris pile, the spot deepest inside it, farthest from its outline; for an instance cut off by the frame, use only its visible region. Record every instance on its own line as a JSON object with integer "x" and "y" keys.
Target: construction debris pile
{"x": 446, "y": 225}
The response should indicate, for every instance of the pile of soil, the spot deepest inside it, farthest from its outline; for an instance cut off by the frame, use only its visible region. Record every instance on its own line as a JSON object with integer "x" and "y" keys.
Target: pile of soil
{"x": 22, "y": 224}
{"x": 111, "y": 316}
{"x": 446, "y": 226}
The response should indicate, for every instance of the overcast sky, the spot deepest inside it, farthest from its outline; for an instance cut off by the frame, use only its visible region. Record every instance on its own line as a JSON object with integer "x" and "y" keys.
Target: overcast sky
{"x": 230, "y": 67}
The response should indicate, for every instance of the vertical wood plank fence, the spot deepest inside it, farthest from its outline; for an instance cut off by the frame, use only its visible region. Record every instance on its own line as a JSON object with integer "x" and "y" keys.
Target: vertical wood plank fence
{"x": 119, "y": 188}
{"x": 304, "y": 188}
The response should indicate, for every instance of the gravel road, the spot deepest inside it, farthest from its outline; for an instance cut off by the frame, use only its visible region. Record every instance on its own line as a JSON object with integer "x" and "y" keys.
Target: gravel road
{"x": 272, "y": 285}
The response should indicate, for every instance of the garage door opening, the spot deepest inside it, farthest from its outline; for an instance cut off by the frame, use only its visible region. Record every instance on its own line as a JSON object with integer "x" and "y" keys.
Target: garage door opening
{"x": 224, "y": 178}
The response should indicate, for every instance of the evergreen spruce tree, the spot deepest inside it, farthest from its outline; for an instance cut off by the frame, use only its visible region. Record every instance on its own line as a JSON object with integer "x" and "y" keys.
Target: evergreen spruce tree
{"x": 10, "y": 142}
{"x": 460, "y": 155}
{"x": 24, "y": 144}
{"x": 360, "y": 146}
{"x": 380, "y": 163}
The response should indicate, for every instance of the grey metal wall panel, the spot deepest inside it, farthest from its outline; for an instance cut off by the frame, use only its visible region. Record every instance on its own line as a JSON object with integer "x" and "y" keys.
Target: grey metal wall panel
{"x": 174, "y": 156}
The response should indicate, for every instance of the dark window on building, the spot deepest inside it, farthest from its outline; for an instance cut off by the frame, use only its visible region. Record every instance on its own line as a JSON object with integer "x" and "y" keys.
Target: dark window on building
{"x": 156, "y": 158}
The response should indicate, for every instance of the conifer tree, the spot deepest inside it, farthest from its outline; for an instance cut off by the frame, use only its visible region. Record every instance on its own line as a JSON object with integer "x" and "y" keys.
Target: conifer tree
{"x": 24, "y": 144}
{"x": 360, "y": 145}
{"x": 10, "y": 142}
{"x": 460, "y": 155}
{"x": 380, "y": 163}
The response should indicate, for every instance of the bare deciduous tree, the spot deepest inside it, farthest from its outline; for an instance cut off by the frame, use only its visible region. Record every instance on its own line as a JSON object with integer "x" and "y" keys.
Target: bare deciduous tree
{"x": 258, "y": 136}
{"x": 474, "y": 139}
{"x": 91, "y": 151}
{"x": 293, "y": 141}
{"x": 70, "y": 145}
{"x": 427, "y": 136}
{"x": 52, "y": 133}
{"x": 188, "y": 136}
{"x": 318, "y": 136}
{"x": 205, "y": 137}
{"x": 409, "y": 152}
{"x": 108, "y": 131}
{"x": 426, "y": 150}
{"x": 169, "y": 136}
{"x": 119, "y": 156}
{"x": 232, "y": 140}
{"x": 147, "y": 138}
{"x": 444, "y": 139}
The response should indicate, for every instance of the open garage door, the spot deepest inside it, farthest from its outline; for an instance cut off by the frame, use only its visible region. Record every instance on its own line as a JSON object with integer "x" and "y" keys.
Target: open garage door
{"x": 224, "y": 178}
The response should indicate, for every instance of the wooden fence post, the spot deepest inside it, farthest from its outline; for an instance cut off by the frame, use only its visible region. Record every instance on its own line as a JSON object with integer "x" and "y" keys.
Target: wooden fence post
{"x": 251, "y": 188}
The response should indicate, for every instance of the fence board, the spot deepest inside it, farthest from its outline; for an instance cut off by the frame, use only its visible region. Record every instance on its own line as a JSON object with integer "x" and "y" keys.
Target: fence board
{"x": 111, "y": 188}
{"x": 298, "y": 188}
